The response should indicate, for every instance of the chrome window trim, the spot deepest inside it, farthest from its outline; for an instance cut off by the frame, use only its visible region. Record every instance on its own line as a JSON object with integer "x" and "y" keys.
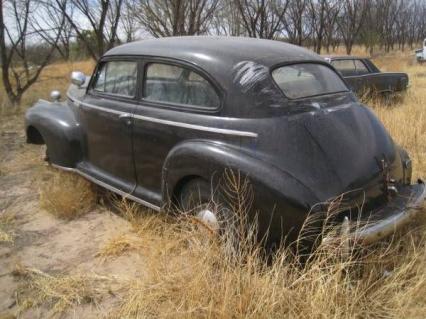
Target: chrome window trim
{"x": 107, "y": 186}
{"x": 168, "y": 122}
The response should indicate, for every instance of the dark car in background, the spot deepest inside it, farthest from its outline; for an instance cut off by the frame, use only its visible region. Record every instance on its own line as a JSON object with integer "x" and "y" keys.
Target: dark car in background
{"x": 363, "y": 77}
{"x": 162, "y": 121}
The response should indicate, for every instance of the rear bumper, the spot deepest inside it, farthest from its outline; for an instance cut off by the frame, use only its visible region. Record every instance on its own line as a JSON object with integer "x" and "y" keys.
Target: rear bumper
{"x": 397, "y": 213}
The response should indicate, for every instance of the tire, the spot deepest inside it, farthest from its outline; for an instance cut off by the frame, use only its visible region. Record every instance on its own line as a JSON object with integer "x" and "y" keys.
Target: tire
{"x": 197, "y": 199}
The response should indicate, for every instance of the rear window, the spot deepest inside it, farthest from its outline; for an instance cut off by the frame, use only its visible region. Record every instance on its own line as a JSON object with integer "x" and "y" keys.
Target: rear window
{"x": 307, "y": 79}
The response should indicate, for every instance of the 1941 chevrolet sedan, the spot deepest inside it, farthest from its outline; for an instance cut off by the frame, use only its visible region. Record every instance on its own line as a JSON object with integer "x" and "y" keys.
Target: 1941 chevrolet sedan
{"x": 161, "y": 120}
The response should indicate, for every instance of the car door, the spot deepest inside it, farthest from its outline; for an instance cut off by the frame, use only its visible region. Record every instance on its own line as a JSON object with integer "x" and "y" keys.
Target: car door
{"x": 105, "y": 116}
{"x": 368, "y": 80}
{"x": 347, "y": 69}
{"x": 178, "y": 103}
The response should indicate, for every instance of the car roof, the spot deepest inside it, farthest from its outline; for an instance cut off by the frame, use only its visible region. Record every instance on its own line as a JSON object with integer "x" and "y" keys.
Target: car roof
{"x": 215, "y": 53}
{"x": 201, "y": 47}
{"x": 239, "y": 66}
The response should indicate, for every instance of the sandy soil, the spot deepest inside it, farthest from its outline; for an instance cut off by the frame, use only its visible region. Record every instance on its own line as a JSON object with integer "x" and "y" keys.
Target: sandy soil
{"x": 42, "y": 241}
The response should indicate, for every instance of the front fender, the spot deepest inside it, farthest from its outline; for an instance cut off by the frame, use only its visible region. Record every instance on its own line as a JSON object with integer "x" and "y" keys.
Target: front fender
{"x": 59, "y": 129}
{"x": 281, "y": 201}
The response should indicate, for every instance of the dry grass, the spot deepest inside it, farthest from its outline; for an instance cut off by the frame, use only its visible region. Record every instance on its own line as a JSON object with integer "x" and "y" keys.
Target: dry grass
{"x": 61, "y": 291}
{"x": 120, "y": 245}
{"x": 66, "y": 195}
{"x": 191, "y": 274}
{"x": 406, "y": 121}
{"x": 6, "y": 227}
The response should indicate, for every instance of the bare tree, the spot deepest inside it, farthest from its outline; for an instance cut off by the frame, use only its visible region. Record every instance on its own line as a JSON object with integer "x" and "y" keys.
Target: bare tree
{"x": 294, "y": 22}
{"x": 350, "y": 21}
{"x": 262, "y": 18}
{"x": 227, "y": 20}
{"x": 102, "y": 18}
{"x": 164, "y": 18}
{"x": 128, "y": 22}
{"x": 47, "y": 18}
{"x": 16, "y": 38}
{"x": 331, "y": 38}
{"x": 322, "y": 15}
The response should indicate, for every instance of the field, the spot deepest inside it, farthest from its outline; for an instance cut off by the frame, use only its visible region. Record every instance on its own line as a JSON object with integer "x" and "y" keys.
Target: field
{"x": 70, "y": 250}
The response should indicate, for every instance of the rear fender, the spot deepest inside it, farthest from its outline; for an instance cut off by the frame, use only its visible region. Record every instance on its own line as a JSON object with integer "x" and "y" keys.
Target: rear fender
{"x": 280, "y": 197}
{"x": 58, "y": 128}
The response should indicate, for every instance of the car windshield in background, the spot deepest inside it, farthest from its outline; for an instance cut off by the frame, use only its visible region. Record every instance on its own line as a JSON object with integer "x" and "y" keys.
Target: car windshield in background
{"x": 307, "y": 79}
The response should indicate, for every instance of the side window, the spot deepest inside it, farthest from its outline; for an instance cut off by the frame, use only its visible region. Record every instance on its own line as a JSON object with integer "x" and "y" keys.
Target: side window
{"x": 360, "y": 67}
{"x": 117, "y": 78}
{"x": 345, "y": 67}
{"x": 178, "y": 85}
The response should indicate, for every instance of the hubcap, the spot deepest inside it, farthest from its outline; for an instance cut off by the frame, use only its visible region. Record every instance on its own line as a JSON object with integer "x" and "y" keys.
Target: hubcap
{"x": 208, "y": 217}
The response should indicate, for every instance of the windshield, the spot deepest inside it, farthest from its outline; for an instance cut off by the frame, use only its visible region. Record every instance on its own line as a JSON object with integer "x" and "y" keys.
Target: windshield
{"x": 307, "y": 79}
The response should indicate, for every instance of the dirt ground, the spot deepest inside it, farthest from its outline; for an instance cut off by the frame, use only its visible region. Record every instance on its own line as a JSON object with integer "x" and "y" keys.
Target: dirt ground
{"x": 41, "y": 241}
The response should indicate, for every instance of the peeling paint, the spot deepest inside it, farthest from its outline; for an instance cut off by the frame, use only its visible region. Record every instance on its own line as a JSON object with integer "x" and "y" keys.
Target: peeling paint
{"x": 253, "y": 78}
{"x": 248, "y": 73}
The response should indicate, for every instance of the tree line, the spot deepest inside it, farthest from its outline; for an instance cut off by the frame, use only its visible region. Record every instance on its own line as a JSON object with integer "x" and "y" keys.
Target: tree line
{"x": 33, "y": 32}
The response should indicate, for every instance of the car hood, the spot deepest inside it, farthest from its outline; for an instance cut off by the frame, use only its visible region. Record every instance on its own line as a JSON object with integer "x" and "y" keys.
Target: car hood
{"x": 335, "y": 150}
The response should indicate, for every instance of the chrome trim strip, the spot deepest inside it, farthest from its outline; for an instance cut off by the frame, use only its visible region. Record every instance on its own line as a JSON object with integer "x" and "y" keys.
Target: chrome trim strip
{"x": 171, "y": 123}
{"x": 109, "y": 187}
{"x": 196, "y": 127}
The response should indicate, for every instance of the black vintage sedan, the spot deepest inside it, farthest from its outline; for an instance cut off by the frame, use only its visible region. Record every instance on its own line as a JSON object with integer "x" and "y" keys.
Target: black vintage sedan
{"x": 161, "y": 121}
{"x": 363, "y": 77}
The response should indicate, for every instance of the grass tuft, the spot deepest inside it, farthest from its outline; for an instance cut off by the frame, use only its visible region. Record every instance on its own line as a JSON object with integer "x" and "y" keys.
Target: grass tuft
{"x": 120, "y": 245}
{"x": 66, "y": 195}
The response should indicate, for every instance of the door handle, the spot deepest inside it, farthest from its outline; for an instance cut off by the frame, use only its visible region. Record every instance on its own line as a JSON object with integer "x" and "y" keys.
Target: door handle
{"x": 126, "y": 118}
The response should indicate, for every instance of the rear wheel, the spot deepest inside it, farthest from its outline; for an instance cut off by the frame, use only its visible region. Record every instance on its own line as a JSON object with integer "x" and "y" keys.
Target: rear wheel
{"x": 197, "y": 200}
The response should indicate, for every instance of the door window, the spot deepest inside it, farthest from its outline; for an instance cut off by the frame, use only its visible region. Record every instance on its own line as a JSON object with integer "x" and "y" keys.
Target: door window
{"x": 345, "y": 67}
{"x": 360, "y": 67}
{"x": 178, "y": 85}
{"x": 350, "y": 67}
{"x": 117, "y": 78}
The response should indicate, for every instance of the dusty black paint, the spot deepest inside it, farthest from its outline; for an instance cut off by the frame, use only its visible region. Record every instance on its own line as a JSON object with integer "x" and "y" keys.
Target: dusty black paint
{"x": 296, "y": 153}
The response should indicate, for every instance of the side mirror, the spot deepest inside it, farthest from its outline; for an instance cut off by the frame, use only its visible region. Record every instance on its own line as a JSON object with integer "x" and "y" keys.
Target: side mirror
{"x": 78, "y": 78}
{"x": 55, "y": 95}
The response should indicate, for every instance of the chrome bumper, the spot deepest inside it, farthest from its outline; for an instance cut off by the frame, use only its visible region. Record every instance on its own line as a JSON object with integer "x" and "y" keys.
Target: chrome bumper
{"x": 392, "y": 217}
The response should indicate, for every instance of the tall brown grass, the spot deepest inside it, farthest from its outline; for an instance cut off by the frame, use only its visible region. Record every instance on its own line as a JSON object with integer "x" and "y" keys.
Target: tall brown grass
{"x": 189, "y": 274}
